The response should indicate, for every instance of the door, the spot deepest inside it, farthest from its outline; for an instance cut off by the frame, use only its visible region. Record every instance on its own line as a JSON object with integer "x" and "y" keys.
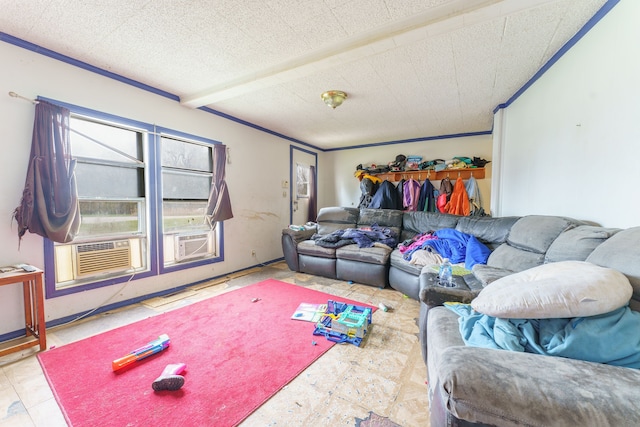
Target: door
{"x": 301, "y": 183}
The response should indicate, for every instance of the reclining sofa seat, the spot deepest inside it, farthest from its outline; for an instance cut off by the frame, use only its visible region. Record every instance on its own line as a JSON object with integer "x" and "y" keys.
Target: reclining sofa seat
{"x": 302, "y": 254}
{"x": 406, "y": 277}
{"x": 368, "y": 266}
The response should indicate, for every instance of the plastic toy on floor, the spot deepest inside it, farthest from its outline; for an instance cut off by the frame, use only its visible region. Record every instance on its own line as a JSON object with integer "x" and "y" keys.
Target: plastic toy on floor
{"x": 155, "y": 346}
{"x": 344, "y": 323}
{"x": 170, "y": 379}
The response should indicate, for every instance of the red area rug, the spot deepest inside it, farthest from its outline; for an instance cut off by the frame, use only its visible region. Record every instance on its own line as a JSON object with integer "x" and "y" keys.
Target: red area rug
{"x": 238, "y": 353}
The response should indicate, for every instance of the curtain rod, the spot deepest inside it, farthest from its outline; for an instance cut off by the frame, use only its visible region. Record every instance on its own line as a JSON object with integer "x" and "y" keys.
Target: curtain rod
{"x": 15, "y": 95}
{"x": 33, "y": 101}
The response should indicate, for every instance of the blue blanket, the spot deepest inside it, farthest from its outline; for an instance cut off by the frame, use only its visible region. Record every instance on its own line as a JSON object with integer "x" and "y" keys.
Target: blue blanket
{"x": 612, "y": 338}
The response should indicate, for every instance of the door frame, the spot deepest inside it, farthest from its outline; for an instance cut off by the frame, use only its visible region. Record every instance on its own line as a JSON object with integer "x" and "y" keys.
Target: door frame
{"x": 292, "y": 169}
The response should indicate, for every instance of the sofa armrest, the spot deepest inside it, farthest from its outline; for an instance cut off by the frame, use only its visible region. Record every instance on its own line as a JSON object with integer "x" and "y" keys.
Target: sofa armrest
{"x": 290, "y": 240}
{"x": 299, "y": 235}
{"x": 500, "y": 387}
{"x": 465, "y": 289}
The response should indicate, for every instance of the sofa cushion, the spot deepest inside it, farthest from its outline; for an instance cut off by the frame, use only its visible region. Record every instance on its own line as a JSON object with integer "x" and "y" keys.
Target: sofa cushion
{"x": 397, "y": 260}
{"x": 622, "y": 252}
{"x": 331, "y": 219}
{"x": 490, "y": 231}
{"x": 535, "y": 233}
{"x": 309, "y": 247}
{"x": 510, "y": 258}
{"x": 387, "y": 218}
{"x": 374, "y": 255}
{"x": 557, "y": 290}
{"x": 577, "y": 243}
{"x": 487, "y": 274}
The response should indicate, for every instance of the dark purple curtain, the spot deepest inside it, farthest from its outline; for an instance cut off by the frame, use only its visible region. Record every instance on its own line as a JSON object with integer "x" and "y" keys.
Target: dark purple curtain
{"x": 49, "y": 205}
{"x": 219, "y": 206}
{"x": 313, "y": 200}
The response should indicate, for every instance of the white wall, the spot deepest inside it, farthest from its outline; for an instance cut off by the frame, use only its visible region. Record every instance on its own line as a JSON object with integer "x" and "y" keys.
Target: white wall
{"x": 571, "y": 142}
{"x": 259, "y": 163}
{"x": 342, "y": 164}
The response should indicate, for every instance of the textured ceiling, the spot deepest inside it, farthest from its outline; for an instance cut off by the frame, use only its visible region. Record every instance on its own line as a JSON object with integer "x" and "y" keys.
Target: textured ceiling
{"x": 411, "y": 68}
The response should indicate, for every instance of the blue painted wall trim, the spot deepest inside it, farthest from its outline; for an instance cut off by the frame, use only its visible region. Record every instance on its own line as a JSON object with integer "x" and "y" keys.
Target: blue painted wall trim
{"x": 257, "y": 127}
{"x": 55, "y": 55}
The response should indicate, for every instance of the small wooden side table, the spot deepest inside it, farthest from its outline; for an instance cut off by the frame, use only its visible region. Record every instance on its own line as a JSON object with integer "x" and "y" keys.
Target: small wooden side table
{"x": 35, "y": 327}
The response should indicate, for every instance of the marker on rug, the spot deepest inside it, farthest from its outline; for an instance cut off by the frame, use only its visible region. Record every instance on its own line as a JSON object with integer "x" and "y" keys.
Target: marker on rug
{"x": 143, "y": 352}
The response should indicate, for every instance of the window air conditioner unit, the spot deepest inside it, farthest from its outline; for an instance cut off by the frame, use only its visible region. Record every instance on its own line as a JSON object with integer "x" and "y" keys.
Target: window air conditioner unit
{"x": 189, "y": 246}
{"x": 102, "y": 257}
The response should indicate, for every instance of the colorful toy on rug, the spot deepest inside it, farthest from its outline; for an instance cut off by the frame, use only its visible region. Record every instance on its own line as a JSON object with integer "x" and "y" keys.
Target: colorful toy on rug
{"x": 344, "y": 323}
{"x": 155, "y": 346}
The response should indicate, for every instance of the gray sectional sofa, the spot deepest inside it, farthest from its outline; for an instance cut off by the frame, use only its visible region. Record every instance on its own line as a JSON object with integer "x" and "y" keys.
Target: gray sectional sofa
{"x": 473, "y": 386}
{"x": 379, "y": 266}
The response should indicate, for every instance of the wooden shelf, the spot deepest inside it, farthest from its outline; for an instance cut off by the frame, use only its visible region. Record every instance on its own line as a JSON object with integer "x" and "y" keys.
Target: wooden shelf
{"x": 453, "y": 174}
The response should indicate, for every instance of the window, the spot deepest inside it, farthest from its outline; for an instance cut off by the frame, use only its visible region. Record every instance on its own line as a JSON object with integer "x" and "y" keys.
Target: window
{"x": 110, "y": 176}
{"x": 187, "y": 170}
{"x": 128, "y": 174}
{"x": 302, "y": 180}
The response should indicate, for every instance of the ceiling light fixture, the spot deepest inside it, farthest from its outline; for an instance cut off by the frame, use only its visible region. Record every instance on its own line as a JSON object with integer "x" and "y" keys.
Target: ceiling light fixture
{"x": 333, "y": 98}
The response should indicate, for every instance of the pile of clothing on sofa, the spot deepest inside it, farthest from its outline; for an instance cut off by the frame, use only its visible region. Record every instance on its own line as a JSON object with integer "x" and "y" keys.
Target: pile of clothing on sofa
{"x": 448, "y": 243}
{"x": 364, "y": 237}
